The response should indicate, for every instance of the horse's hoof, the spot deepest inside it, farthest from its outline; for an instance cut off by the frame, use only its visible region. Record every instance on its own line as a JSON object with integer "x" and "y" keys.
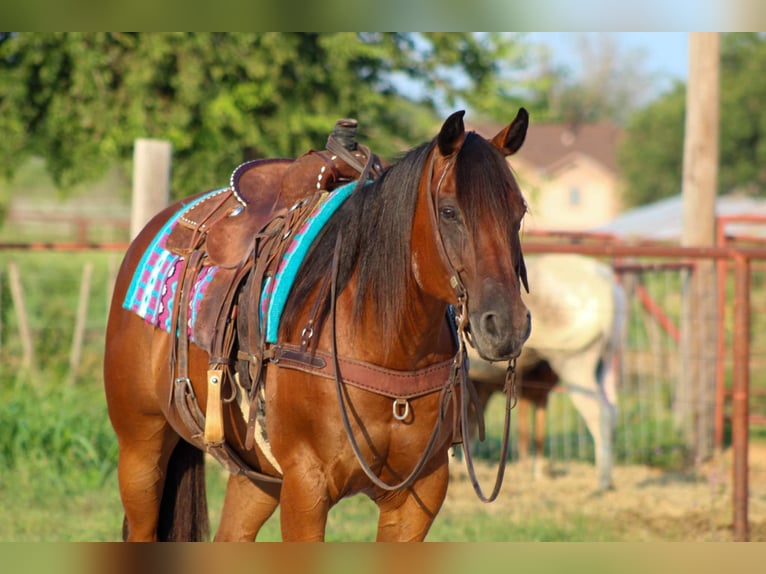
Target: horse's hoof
{"x": 602, "y": 490}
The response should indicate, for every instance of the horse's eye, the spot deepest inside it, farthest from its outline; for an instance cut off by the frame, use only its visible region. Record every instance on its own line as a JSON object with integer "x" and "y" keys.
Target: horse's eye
{"x": 448, "y": 212}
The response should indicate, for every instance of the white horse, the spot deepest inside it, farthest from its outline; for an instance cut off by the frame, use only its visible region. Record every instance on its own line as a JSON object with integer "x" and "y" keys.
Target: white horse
{"x": 578, "y": 315}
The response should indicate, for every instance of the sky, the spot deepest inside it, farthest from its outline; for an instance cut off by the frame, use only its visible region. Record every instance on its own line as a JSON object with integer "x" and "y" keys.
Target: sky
{"x": 665, "y": 53}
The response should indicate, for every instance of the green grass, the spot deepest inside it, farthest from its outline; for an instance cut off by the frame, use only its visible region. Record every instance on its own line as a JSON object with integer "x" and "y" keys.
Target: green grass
{"x": 58, "y": 455}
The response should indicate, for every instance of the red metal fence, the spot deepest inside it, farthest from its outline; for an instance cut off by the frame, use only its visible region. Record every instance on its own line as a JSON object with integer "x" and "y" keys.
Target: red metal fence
{"x": 740, "y": 259}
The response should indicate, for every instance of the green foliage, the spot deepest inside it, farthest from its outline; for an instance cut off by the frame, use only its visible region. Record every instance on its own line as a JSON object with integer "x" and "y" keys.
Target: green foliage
{"x": 651, "y": 154}
{"x": 57, "y": 430}
{"x": 79, "y": 100}
{"x": 743, "y": 123}
{"x": 611, "y": 84}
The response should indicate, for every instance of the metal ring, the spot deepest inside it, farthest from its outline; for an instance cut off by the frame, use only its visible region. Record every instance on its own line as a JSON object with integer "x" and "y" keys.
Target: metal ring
{"x": 397, "y": 409}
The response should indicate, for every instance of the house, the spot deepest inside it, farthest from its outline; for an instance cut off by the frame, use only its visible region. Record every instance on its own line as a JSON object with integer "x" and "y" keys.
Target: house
{"x": 568, "y": 174}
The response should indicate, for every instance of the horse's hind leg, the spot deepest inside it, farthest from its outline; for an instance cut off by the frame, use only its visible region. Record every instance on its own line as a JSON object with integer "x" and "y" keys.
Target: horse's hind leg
{"x": 141, "y": 469}
{"x": 246, "y": 508}
{"x": 588, "y": 396}
{"x": 523, "y": 445}
{"x": 542, "y": 467}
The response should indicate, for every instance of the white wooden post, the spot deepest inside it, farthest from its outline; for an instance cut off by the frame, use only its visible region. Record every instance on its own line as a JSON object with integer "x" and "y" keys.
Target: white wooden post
{"x": 151, "y": 181}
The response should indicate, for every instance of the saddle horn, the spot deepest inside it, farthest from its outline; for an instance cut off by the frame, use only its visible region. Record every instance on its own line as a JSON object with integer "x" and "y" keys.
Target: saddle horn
{"x": 342, "y": 142}
{"x": 344, "y": 133}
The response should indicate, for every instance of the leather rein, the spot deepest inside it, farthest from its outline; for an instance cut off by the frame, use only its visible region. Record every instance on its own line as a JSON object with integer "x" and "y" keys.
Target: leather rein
{"x": 458, "y": 371}
{"x": 461, "y": 362}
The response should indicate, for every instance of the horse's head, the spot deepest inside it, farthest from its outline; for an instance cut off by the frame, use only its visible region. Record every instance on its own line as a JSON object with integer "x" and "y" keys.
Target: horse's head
{"x": 475, "y": 210}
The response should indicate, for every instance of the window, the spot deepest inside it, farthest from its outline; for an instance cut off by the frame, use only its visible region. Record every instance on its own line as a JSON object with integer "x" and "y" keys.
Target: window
{"x": 575, "y": 197}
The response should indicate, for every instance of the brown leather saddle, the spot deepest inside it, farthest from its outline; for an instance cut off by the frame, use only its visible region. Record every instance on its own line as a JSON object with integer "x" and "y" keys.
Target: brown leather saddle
{"x": 243, "y": 230}
{"x": 225, "y": 224}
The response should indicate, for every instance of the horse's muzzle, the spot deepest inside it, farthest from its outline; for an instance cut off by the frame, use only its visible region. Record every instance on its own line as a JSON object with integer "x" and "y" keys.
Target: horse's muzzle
{"x": 500, "y": 336}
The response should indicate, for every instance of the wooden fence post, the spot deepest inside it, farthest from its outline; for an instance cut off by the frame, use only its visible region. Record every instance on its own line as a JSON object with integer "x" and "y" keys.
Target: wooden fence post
{"x": 75, "y": 355}
{"x": 151, "y": 181}
{"x": 696, "y": 392}
{"x": 17, "y": 294}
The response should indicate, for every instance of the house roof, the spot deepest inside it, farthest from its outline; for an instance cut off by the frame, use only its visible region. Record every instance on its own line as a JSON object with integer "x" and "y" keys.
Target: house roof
{"x": 549, "y": 145}
{"x": 663, "y": 220}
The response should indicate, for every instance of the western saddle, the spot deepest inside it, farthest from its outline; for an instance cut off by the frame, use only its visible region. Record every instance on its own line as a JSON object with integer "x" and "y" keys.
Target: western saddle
{"x": 244, "y": 231}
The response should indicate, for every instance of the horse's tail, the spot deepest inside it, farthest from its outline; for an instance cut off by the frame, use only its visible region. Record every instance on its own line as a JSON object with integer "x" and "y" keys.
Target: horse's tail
{"x": 183, "y": 510}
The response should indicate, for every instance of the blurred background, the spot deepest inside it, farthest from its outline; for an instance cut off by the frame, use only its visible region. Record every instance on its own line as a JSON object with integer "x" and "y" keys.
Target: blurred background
{"x": 603, "y": 166}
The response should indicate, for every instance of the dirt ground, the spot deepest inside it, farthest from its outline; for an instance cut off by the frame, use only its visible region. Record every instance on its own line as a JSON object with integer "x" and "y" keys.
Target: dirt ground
{"x": 646, "y": 505}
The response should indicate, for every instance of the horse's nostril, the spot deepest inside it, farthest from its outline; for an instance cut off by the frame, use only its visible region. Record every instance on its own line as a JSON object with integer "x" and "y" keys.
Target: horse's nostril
{"x": 489, "y": 324}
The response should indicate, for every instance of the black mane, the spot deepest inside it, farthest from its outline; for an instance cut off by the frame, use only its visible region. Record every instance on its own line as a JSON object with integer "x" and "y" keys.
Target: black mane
{"x": 376, "y": 227}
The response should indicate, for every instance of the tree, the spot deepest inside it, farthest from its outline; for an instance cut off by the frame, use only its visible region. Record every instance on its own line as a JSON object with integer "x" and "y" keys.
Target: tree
{"x": 79, "y": 100}
{"x": 610, "y": 83}
{"x": 651, "y": 153}
{"x": 743, "y": 125}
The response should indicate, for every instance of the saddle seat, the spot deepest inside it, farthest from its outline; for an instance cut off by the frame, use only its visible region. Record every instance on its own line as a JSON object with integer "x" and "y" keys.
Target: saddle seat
{"x": 225, "y": 225}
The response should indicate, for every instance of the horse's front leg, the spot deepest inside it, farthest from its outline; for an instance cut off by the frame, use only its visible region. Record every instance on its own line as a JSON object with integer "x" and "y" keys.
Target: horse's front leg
{"x": 407, "y": 515}
{"x": 305, "y": 502}
{"x": 246, "y": 508}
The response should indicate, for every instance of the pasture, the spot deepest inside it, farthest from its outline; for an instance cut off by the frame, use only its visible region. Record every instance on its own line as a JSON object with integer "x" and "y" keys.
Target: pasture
{"x": 58, "y": 452}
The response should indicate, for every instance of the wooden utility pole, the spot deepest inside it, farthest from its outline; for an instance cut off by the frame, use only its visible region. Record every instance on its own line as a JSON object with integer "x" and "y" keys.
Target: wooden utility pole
{"x": 695, "y": 405}
{"x": 151, "y": 181}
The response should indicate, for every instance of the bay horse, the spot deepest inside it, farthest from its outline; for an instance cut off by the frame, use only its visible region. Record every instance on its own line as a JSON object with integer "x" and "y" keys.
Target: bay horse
{"x": 356, "y": 390}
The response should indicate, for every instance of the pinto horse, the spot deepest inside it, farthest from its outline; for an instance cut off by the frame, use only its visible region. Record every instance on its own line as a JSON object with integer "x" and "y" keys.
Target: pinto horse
{"x": 358, "y": 381}
{"x": 580, "y": 316}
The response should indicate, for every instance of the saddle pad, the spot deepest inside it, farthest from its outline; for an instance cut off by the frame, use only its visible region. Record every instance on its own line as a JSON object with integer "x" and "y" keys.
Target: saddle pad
{"x": 276, "y": 290}
{"x": 155, "y": 280}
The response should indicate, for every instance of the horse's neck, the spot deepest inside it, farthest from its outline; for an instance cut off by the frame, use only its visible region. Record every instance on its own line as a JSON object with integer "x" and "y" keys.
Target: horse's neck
{"x": 422, "y": 336}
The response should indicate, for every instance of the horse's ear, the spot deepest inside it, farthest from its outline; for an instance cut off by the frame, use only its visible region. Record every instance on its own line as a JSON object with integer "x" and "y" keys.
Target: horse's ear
{"x": 510, "y": 138}
{"x": 452, "y": 134}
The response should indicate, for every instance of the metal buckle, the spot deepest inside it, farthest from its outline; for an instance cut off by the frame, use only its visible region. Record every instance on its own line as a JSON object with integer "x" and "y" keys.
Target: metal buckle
{"x": 275, "y": 354}
{"x": 306, "y": 336}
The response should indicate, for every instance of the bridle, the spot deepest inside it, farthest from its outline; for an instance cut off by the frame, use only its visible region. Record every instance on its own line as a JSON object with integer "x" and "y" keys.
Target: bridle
{"x": 458, "y": 372}
{"x": 460, "y": 363}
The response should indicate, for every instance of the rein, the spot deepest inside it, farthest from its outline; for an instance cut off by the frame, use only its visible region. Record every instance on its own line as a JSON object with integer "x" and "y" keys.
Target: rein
{"x": 458, "y": 372}
{"x": 444, "y": 399}
{"x": 460, "y": 363}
